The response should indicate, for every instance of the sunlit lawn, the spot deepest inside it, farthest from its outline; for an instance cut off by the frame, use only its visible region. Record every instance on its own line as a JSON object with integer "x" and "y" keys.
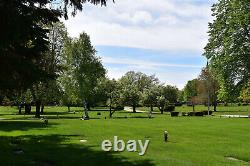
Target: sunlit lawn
{"x": 193, "y": 140}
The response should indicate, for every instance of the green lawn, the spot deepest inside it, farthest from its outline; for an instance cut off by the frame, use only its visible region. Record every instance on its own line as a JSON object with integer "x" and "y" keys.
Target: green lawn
{"x": 193, "y": 140}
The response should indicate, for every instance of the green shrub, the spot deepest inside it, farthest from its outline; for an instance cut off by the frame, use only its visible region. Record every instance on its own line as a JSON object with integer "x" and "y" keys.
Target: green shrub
{"x": 170, "y": 108}
{"x": 174, "y": 114}
{"x": 199, "y": 114}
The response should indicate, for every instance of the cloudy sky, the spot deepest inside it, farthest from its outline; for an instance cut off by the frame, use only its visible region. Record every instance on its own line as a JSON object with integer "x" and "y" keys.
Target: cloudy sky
{"x": 161, "y": 37}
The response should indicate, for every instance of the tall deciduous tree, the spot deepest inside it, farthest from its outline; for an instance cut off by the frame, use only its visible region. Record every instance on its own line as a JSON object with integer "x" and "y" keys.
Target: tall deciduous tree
{"x": 86, "y": 68}
{"x": 210, "y": 86}
{"x": 228, "y": 49}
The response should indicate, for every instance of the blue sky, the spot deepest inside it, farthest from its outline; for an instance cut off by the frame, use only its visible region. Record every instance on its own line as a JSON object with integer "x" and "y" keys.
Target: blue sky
{"x": 161, "y": 37}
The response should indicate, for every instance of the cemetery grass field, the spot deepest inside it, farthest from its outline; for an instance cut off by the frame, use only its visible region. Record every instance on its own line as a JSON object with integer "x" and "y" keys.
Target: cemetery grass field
{"x": 192, "y": 140}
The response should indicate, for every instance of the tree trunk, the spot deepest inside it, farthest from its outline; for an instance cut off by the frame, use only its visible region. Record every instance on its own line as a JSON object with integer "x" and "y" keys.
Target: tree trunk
{"x": 134, "y": 111}
{"x": 193, "y": 108}
{"x": 110, "y": 107}
{"x": 208, "y": 103}
{"x": 215, "y": 104}
{"x": 68, "y": 108}
{"x": 85, "y": 107}
{"x": 151, "y": 108}
{"x": 110, "y": 111}
{"x": 110, "y": 114}
{"x": 38, "y": 107}
{"x": 162, "y": 110}
{"x": 20, "y": 109}
{"x": 27, "y": 108}
{"x": 42, "y": 108}
{"x": 88, "y": 106}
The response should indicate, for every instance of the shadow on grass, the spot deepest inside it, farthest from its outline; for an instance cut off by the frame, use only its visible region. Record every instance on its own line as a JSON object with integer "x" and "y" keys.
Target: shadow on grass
{"x": 133, "y": 117}
{"x": 61, "y": 112}
{"x": 8, "y": 114}
{"x": 68, "y": 117}
{"x": 52, "y": 150}
{"x": 30, "y": 117}
{"x": 128, "y": 112}
{"x": 12, "y": 125}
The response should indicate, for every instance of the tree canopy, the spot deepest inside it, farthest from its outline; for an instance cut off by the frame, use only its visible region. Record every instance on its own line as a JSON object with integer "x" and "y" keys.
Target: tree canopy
{"x": 83, "y": 70}
{"x": 133, "y": 85}
{"x": 24, "y": 38}
{"x": 228, "y": 49}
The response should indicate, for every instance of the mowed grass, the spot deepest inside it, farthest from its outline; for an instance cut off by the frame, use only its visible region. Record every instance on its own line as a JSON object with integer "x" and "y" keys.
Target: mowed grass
{"x": 192, "y": 140}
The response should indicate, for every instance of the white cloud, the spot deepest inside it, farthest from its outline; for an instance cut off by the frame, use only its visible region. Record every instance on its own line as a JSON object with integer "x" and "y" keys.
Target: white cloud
{"x": 142, "y": 17}
{"x": 158, "y": 24}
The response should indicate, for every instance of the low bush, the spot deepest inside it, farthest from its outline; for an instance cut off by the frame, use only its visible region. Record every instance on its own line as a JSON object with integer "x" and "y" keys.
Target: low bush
{"x": 199, "y": 114}
{"x": 178, "y": 104}
{"x": 206, "y": 112}
{"x": 170, "y": 108}
{"x": 174, "y": 114}
{"x": 191, "y": 113}
{"x": 195, "y": 113}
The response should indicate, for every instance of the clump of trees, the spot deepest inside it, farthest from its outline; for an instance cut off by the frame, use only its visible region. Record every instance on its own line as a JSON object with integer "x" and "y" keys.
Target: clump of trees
{"x": 133, "y": 89}
{"x": 139, "y": 89}
{"x": 202, "y": 90}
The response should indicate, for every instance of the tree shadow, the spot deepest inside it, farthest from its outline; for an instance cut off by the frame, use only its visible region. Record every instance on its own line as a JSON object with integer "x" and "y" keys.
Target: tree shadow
{"x": 8, "y": 114}
{"x": 56, "y": 113}
{"x": 52, "y": 150}
{"x": 64, "y": 117}
{"x": 30, "y": 117}
{"x": 133, "y": 117}
{"x": 12, "y": 125}
{"x": 69, "y": 117}
{"x": 127, "y": 112}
